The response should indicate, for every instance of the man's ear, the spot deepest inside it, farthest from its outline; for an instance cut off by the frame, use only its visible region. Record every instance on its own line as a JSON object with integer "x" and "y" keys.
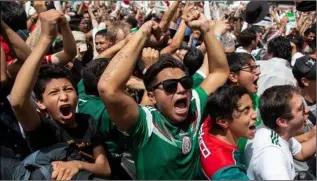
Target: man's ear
{"x": 233, "y": 77}
{"x": 40, "y": 104}
{"x": 281, "y": 122}
{"x": 151, "y": 97}
{"x": 222, "y": 122}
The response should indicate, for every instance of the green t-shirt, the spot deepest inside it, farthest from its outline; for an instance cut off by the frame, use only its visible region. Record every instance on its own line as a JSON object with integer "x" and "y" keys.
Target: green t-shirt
{"x": 243, "y": 141}
{"x": 116, "y": 142}
{"x": 163, "y": 151}
{"x": 198, "y": 78}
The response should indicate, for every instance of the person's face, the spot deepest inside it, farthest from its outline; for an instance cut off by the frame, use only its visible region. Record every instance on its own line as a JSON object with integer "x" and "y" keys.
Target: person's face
{"x": 60, "y": 101}
{"x": 247, "y": 77}
{"x": 299, "y": 111}
{"x": 174, "y": 106}
{"x": 86, "y": 17}
{"x": 83, "y": 26}
{"x": 244, "y": 118}
{"x": 180, "y": 54}
{"x": 310, "y": 37}
{"x": 102, "y": 43}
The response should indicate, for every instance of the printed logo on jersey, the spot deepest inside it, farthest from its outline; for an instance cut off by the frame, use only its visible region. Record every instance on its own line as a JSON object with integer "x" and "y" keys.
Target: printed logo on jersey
{"x": 186, "y": 145}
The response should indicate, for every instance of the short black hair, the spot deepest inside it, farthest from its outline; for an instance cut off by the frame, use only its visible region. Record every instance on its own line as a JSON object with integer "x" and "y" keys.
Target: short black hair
{"x": 47, "y": 73}
{"x": 236, "y": 61}
{"x": 132, "y": 21}
{"x": 275, "y": 103}
{"x": 224, "y": 101}
{"x": 105, "y": 33}
{"x": 280, "y": 47}
{"x": 193, "y": 60}
{"x": 309, "y": 30}
{"x": 246, "y": 37}
{"x": 165, "y": 61}
{"x": 91, "y": 74}
{"x": 14, "y": 15}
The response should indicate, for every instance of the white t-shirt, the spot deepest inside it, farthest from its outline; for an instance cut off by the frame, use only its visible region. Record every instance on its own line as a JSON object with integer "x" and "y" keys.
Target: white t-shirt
{"x": 270, "y": 157}
{"x": 275, "y": 71}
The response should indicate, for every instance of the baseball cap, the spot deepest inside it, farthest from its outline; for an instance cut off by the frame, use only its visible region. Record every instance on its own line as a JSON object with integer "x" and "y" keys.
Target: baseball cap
{"x": 80, "y": 39}
{"x": 305, "y": 66}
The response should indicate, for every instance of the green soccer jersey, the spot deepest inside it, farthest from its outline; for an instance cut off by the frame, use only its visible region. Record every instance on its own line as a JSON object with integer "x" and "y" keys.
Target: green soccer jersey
{"x": 94, "y": 106}
{"x": 198, "y": 78}
{"x": 163, "y": 151}
{"x": 243, "y": 141}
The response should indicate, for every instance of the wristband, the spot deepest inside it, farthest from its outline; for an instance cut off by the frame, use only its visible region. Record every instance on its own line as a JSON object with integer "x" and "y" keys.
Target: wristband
{"x": 219, "y": 37}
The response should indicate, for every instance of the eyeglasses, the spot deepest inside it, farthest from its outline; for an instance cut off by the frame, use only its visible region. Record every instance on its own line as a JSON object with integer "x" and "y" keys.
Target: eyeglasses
{"x": 170, "y": 85}
{"x": 252, "y": 69}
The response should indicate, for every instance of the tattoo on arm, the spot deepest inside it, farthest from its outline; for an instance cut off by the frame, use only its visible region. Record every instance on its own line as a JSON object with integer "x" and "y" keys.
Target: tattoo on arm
{"x": 109, "y": 73}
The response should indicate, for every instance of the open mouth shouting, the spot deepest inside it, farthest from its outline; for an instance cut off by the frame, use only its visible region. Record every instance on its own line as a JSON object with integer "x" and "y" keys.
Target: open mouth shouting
{"x": 181, "y": 106}
{"x": 66, "y": 111}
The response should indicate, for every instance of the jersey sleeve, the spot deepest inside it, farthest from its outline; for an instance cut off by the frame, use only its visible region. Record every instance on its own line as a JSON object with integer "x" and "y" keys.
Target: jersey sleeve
{"x": 296, "y": 147}
{"x": 271, "y": 164}
{"x": 230, "y": 173}
{"x": 143, "y": 128}
{"x": 198, "y": 78}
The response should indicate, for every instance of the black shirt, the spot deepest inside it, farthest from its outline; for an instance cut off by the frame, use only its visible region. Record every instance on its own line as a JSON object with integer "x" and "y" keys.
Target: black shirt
{"x": 12, "y": 143}
{"x": 85, "y": 137}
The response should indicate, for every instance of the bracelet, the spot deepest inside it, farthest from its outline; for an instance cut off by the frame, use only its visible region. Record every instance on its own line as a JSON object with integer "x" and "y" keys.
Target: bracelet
{"x": 219, "y": 37}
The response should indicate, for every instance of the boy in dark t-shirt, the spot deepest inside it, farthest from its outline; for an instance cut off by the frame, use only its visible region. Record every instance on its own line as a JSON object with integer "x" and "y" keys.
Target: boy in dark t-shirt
{"x": 56, "y": 95}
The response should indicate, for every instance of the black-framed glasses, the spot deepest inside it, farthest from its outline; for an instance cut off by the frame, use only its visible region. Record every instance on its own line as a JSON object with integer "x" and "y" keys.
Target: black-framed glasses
{"x": 170, "y": 85}
{"x": 252, "y": 69}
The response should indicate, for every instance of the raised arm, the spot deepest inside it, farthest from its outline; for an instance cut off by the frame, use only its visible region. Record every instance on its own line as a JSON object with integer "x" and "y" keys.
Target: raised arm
{"x": 217, "y": 62}
{"x": 113, "y": 80}
{"x": 21, "y": 49}
{"x": 110, "y": 52}
{"x": 21, "y": 92}
{"x": 177, "y": 39}
{"x": 3, "y": 73}
{"x": 69, "y": 52}
{"x": 168, "y": 16}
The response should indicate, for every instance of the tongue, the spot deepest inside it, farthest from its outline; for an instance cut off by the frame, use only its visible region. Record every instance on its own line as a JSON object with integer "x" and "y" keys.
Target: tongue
{"x": 180, "y": 104}
{"x": 66, "y": 115}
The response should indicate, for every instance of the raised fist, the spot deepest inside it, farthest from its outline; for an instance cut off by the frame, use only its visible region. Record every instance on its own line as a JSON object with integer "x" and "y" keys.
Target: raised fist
{"x": 49, "y": 21}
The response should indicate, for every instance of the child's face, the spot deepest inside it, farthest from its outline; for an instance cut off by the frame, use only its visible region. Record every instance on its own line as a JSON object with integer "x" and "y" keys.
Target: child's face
{"x": 60, "y": 100}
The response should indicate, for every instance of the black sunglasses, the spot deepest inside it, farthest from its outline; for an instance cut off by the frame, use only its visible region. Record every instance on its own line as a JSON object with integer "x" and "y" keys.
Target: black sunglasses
{"x": 170, "y": 85}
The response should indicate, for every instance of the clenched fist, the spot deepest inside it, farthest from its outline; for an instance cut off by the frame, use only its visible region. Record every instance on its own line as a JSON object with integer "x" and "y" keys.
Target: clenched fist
{"x": 49, "y": 21}
{"x": 149, "y": 56}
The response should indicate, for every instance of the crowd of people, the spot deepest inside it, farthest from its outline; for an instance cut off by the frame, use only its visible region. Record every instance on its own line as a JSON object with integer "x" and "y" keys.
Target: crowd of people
{"x": 160, "y": 90}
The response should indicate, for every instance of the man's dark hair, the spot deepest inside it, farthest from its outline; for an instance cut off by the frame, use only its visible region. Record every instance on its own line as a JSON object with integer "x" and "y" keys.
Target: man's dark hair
{"x": 223, "y": 102}
{"x": 246, "y": 37}
{"x": 275, "y": 103}
{"x": 238, "y": 60}
{"x": 47, "y": 73}
{"x": 14, "y": 15}
{"x": 280, "y": 47}
{"x": 105, "y": 33}
{"x": 132, "y": 21}
{"x": 165, "y": 61}
{"x": 193, "y": 60}
{"x": 92, "y": 73}
{"x": 298, "y": 41}
{"x": 309, "y": 30}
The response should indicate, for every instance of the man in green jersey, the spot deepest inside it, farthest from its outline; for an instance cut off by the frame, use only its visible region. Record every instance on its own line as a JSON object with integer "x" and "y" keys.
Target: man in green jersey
{"x": 244, "y": 72}
{"x": 165, "y": 137}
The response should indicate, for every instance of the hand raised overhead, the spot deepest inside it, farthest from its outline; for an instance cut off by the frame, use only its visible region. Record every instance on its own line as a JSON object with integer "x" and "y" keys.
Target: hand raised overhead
{"x": 49, "y": 20}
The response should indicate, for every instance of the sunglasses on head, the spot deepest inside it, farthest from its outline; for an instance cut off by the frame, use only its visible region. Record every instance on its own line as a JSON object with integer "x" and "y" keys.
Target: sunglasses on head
{"x": 170, "y": 85}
